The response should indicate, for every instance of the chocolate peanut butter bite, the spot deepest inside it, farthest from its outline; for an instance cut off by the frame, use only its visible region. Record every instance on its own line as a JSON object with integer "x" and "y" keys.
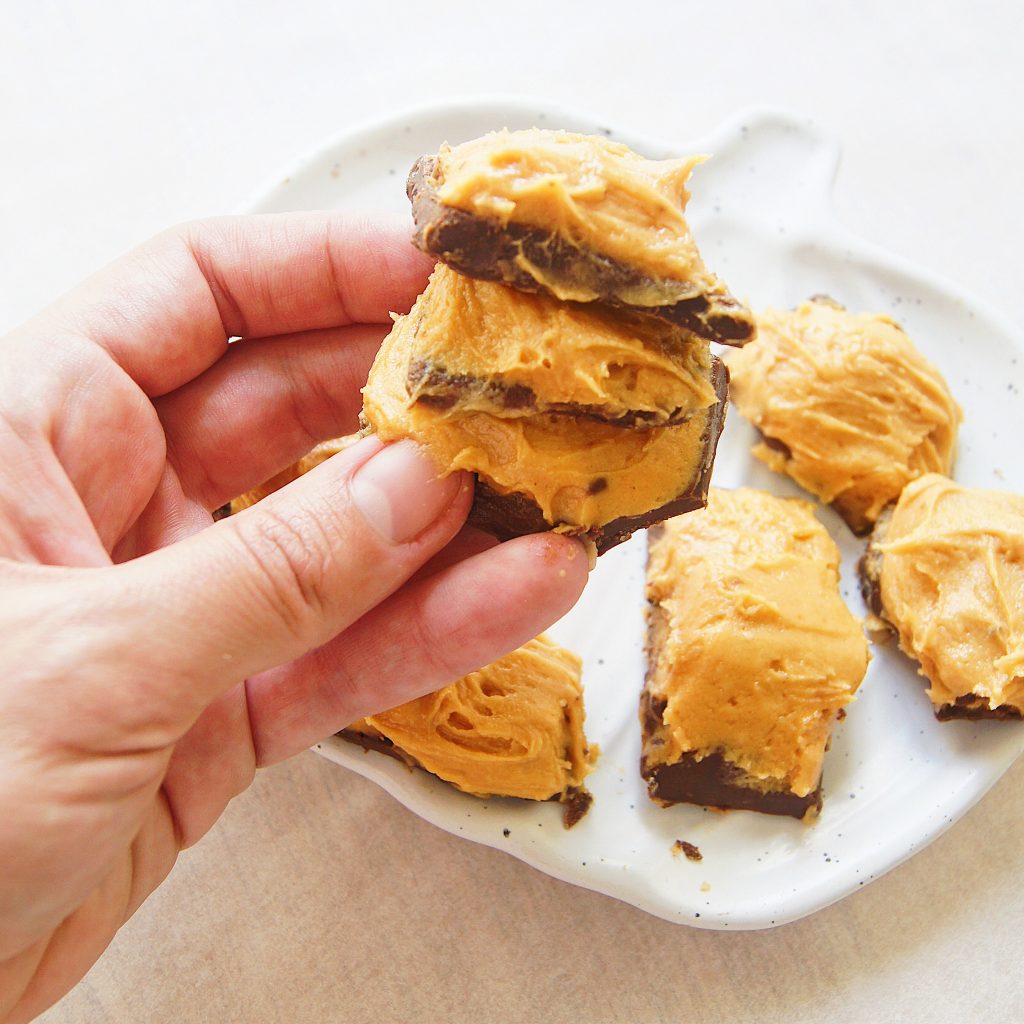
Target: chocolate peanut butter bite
{"x": 488, "y": 348}
{"x": 591, "y": 465}
{"x": 847, "y": 405}
{"x": 944, "y": 570}
{"x": 514, "y": 728}
{"x": 576, "y": 217}
{"x": 580, "y": 404}
{"x": 751, "y": 655}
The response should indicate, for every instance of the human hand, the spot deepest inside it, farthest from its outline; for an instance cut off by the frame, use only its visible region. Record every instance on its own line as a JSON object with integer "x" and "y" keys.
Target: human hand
{"x": 153, "y": 659}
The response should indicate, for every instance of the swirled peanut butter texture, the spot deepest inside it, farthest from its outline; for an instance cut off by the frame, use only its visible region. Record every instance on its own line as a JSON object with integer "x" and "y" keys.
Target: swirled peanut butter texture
{"x": 514, "y": 728}
{"x": 952, "y": 585}
{"x": 578, "y": 217}
{"x": 580, "y": 472}
{"x": 850, "y": 408}
{"x": 596, "y": 192}
{"x": 508, "y": 353}
{"x": 759, "y": 653}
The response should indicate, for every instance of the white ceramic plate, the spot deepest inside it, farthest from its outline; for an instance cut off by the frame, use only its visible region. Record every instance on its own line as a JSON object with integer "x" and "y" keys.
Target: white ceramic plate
{"x": 895, "y": 778}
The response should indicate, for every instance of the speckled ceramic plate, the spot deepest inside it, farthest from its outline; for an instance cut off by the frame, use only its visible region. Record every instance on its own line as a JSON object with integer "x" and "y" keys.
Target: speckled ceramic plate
{"x": 895, "y": 778}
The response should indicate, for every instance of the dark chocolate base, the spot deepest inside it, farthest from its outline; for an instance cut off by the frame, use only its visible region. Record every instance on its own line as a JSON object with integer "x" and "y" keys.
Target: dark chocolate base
{"x": 483, "y": 248}
{"x": 974, "y": 709}
{"x": 380, "y": 745}
{"x": 869, "y": 568}
{"x": 513, "y": 515}
{"x": 712, "y": 781}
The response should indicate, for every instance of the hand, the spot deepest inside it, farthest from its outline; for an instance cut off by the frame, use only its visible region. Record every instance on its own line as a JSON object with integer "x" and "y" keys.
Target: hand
{"x": 152, "y": 659}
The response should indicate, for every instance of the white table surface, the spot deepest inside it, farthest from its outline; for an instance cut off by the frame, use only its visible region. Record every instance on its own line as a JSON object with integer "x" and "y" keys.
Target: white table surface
{"x": 317, "y": 897}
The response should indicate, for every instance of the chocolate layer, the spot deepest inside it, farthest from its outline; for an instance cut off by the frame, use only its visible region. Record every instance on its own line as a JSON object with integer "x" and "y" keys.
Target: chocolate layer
{"x": 710, "y": 781}
{"x": 869, "y": 568}
{"x": 974, "y": 708}
{"x": 433, "y": 385}
{"x": 484, "y": 248}
{"x": 512, "y": 515}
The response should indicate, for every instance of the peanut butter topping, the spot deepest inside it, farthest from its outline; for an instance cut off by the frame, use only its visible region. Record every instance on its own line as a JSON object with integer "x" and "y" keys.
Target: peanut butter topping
{"x": 515, "y": 728}
{"x": 313, "y": 458}
{"x": 594, "y": 193}
{"x": 761, "y": 652}
{"x": 610, "y": 364}
{"x": 580, "y": 472}
{"x": 858, "y": 410}
{"x": 952, "y": 583}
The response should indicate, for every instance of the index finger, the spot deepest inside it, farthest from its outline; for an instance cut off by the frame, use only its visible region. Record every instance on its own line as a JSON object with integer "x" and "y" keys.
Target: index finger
{"x": 166, "y": 310}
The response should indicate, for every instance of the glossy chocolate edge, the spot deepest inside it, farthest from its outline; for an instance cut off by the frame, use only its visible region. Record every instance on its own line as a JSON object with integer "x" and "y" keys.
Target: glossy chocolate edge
{"x": 488, "y": 250}
{"x": 512, "y": 515}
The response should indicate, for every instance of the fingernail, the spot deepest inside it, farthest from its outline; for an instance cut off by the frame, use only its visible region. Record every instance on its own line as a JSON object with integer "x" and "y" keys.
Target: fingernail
{"x": 398, "y": 491}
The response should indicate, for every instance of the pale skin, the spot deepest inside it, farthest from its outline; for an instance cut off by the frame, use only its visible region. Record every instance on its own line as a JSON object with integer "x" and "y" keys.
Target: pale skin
{"x": 154, "y": 660}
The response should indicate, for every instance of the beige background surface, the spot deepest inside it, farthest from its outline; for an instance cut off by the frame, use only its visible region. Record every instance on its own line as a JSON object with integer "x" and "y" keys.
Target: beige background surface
{"x": 317, "y": 897}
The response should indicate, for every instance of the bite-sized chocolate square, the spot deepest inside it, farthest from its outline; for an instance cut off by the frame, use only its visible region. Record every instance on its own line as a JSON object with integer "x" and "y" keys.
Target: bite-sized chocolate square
{"x": 536, "y": 471}
{"x": 944, "y": 571}
{"x": 846, "y": 405}
{"x": 577, "y": 217}
{"x": 513, "y": 728}
{"x": 751, "y": 655}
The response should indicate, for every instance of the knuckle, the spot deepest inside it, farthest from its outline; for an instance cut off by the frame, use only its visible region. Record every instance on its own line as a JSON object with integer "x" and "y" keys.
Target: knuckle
{"x": 435, "y": 649}
{"x": 348, "y": 690}
{"x": 290, "y": 567}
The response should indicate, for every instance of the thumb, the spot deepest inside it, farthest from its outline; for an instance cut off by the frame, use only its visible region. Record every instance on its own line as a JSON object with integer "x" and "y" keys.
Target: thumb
{"x": 264, "y": 586}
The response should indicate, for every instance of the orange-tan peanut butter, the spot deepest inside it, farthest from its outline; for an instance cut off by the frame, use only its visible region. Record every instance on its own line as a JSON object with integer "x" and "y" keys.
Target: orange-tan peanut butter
{"x": 860, "y": 412}
{"x": 313, "y": 458}
{"x": 514, "y": 728}
{"x": 761, "y": 652}
{"x": 581, "y": 472}
{"x": 593, "y": 193}
{"x": 952, "y": 583}
{"x": 610, "y": 363}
